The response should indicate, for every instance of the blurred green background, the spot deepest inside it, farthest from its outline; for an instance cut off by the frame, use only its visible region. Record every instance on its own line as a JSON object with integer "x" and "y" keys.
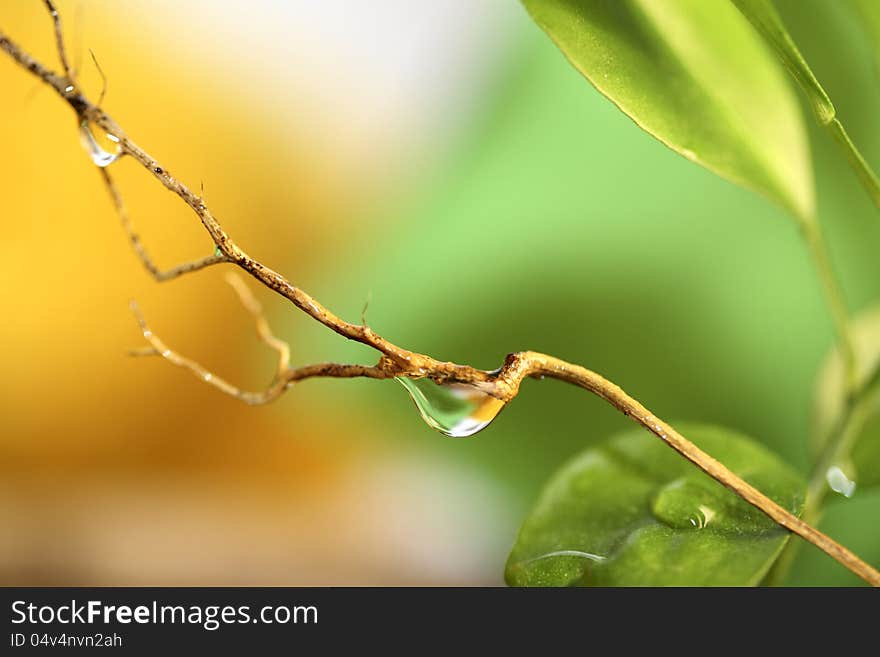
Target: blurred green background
{"x": 694, "y": 295}
{"x": 542, "y": 219}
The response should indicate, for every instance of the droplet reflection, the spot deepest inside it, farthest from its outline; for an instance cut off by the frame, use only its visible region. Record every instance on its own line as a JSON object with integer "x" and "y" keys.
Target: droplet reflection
{"x": 455, "y": 410}
{"x": 101, "y": 146}
{"x": 684, "y": 504}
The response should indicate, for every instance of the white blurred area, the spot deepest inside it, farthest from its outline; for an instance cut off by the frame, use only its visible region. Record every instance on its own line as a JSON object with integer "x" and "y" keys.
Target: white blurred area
{"x": 392, "y": 521}
{"x": 382, "y": 77}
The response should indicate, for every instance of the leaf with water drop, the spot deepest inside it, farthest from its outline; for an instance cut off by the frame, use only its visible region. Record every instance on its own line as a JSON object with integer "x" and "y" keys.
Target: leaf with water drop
{"x": 830, "y": 401}
{"x": 695, "y": 75}
{"x": 455, "y": 410}
{"x": 632, "y": 512}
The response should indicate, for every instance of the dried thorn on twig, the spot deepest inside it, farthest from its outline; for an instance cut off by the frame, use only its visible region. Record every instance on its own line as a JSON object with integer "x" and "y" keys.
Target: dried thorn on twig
{"x": 366, "y": 307}
{"x": 103, "y": 79}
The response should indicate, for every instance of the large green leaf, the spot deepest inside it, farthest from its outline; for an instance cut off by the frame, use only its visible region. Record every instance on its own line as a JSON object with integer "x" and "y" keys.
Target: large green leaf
{"x": 863, "y": 463}
{"x": 632, "y": 512}
{"x": 694, "y": 74}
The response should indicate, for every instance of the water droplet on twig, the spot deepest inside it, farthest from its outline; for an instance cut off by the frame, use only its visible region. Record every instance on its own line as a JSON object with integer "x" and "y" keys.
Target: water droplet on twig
{"x": 101, "y": 146}
{"x": 456, "y": 410}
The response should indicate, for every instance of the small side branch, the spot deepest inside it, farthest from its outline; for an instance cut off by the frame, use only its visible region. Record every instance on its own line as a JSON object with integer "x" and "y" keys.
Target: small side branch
{"x": 284, "y": 375}
{"x": 264, "y": 332}
{"x": 59, "y": 40}
{"x": 139, "y": 249}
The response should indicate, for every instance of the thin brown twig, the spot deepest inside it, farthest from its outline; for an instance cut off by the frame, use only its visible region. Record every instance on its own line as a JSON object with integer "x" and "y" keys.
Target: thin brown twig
{"x": 264, "y": 332}
{"x": 394, "y": 361}
{"x": 59, "y": 40}
{"x": 366, "y": 307}
{"x": 138, "y": 246}
{"x": 284, "y": 375}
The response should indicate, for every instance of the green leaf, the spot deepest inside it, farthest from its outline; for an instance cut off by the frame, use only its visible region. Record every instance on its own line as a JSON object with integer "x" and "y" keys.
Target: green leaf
{"x": 632, "y": 512}
{"x": 863, "y": 463}
{"x": 694, "y": 74}
{"x": 763, "y": 16}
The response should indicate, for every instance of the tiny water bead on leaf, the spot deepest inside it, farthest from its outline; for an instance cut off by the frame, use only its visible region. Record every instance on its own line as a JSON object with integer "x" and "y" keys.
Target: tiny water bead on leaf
{"x": 101, "y": 146}
{"x": 455, "y": 410}
{"x": 686, "y": 504}
{"x": 647, "y": 517}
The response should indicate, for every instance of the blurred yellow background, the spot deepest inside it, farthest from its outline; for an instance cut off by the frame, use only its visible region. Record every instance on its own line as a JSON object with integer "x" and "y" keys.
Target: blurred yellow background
{"x": 395, "y": 149}
{"x": 127, "y": 471}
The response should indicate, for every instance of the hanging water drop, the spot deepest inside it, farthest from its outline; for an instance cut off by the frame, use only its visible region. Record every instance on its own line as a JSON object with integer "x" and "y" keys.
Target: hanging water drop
{"x": 685, "y": 504}
{"x": 839, "y": 482}
{"x": 456, "y": 410}
{"x": 101, "y": 146}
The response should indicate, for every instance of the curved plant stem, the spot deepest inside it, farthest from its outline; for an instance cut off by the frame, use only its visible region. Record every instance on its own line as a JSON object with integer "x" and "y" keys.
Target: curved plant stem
{"x": 396, "y": 361}
{"x": 858, "y": 163}
{"x": 766, "y": 20}
{"x": 834, "y": 300}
